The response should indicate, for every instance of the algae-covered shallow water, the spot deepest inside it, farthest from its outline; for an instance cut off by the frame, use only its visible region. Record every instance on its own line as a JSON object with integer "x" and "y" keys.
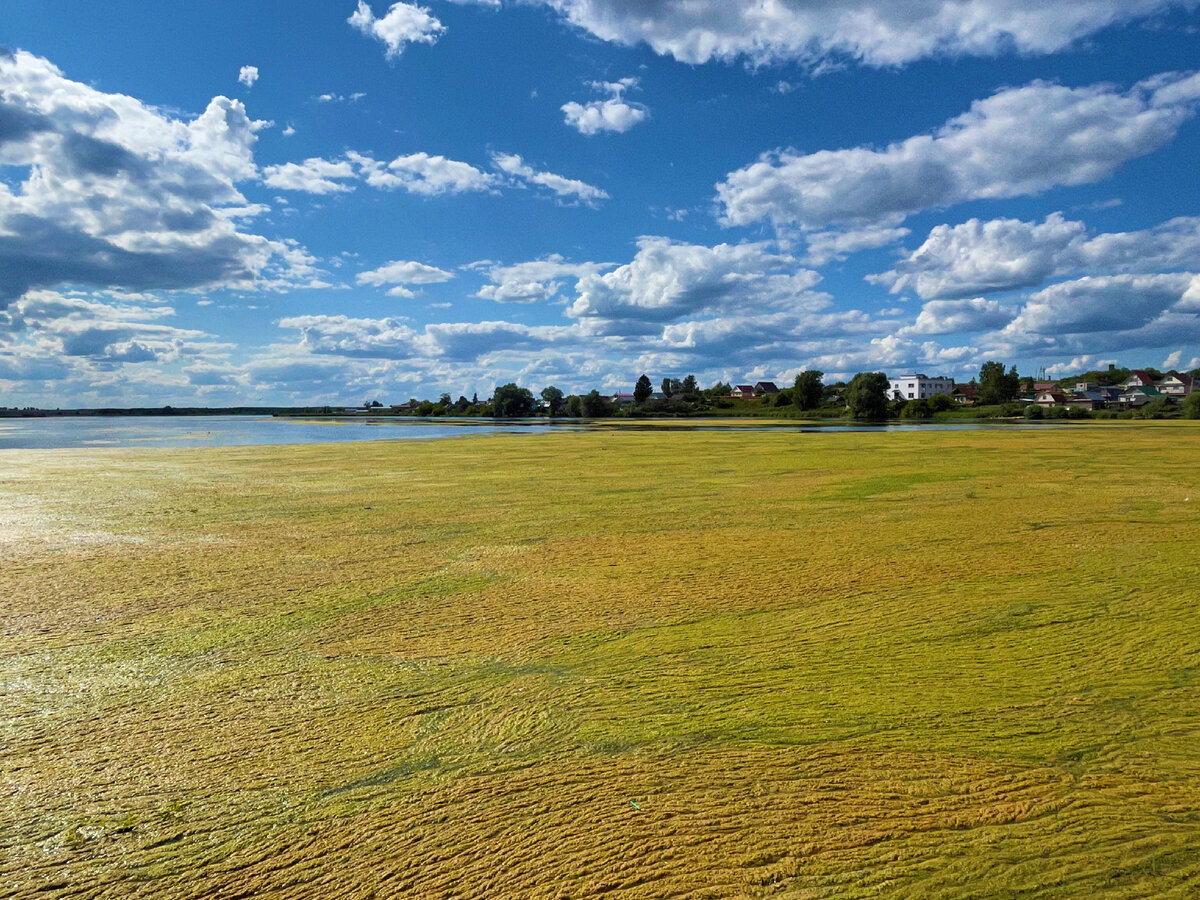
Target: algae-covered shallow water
{"x": 611, "y": 663}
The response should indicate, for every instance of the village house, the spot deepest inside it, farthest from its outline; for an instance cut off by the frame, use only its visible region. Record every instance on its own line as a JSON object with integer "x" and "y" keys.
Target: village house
{"x": 1138, "y": 378}
{"x": 765, "y": 389}
{"x": 1139, "y": 396}
{"x": 1086, "y": 400}
{"x": 742, "y": 392}
{"x": 623, "y": 399}
{"x": 1176, "y": 386}
{"x": 1050, "y": 397}
{"x": 965, "y": 394}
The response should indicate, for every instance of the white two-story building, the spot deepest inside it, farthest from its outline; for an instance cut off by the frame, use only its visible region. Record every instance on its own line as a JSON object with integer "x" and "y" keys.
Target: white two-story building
{"x": 919, "y": 387}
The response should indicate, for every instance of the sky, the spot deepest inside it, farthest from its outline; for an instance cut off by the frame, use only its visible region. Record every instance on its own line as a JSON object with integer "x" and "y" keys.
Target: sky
{"x": 257, "y": 202}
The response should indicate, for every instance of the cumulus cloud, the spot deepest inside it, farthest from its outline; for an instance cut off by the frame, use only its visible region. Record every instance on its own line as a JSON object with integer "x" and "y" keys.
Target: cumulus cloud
{"x": 404, "y": 24}
{"x": 119, "y": 194}
{"x": 815, "y": 32}
{"x": 1100, "y": 304}
{"x": 613, "y": 113}
{"x": 313, "y": 176}
{"x": 402, "y": 272}
{"x": 1004, "y": 254}
{"x": 68, "y": 334}
{"x": 534, "y": 281}
{"x": 835, "y": 244}
{"x": 392, "y": 338}
{"x": 958, "y": 316}
{"x": 1017, "y": 142}
{"x": 247, "y": 75}
{"x": 668, "y": 280}
{"x": 422, "y": 173}
{"x": 565, "y": 188}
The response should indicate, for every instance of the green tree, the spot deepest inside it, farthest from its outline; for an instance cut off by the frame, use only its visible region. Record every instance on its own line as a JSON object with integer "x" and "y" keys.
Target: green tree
{"x": 512, "y": 402}
{"x": 554, "y": 400}
{"x": 866, "y": 396}
{"x": 996, "y": 385}
{"x": 941, "y": 402}
{"x": 574, "y": 406}
{"x": 807, "y": 391}
{"x": 1191, "y": 406}
{"x": 916, "y": 409}
{"x": 666, "y": 387}
{"x": 690, "y": 387}
{"x": 642, "y": 390}
{"x": 596, "y": 406}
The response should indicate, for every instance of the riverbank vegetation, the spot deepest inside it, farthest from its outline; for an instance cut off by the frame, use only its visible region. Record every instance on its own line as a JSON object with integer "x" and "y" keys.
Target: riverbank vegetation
{"x": 621, "y": 663}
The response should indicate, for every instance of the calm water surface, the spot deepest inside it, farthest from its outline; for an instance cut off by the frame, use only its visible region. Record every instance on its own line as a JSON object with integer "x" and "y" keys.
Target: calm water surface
{"x": 53, "y": 433}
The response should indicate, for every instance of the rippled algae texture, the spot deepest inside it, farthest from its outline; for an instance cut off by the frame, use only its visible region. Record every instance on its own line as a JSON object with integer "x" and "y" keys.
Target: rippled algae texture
{"x": 836, "y": 665}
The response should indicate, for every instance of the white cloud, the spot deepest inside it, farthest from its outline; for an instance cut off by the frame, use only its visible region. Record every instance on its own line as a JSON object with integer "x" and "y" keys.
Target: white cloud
{"x": 977, "y": 257}
{"x": 836, "y": 244}
{"x": 958, "y": 316}
{"x": 875, "y": 32}
{"x": 534, "y": 281}
{"x": 668, "y": 280}
{"x": 1003, "y": 254}
{"x": 247, "y": 75}
{"x": 421, "y": 173}
{"x": 404, "y": 23}
{"x": 1090, "y": 305}
{"x": 392, "y": 338}
{"x": 401, "y": 272}
{"x": 567, "y": 188}
{"x": 611, "y": 114}
{"x": 120, "y": 194}
{"x": 82, "y": 336}
{"x": 313, "y": 176}
{"x": 1017, "y": 142}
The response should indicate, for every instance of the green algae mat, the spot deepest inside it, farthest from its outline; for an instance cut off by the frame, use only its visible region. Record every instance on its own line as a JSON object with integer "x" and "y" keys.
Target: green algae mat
{"x": 619, "y": 664}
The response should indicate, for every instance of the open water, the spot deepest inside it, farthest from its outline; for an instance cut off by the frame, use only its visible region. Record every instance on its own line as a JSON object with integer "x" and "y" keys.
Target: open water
{"x": 64, "y": 432}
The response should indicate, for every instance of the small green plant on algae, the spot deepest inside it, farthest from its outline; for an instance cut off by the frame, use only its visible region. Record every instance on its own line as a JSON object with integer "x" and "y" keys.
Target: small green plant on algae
{"x": 624, "y": 663}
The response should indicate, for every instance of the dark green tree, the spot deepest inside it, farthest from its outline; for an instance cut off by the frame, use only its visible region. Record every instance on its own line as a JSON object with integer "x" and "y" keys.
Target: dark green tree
{"x": 866, "y": 396}
{"x": 596, "y": 406}
{"x": 806, "y": 393}
{"x": 689, "y": 385}
{"x": 512, "y": 402}
{"x": 1191, "y": 406}
{"x": 916, "y": 409}
{"x": 941, "y": 402}
{"x": 554, "y": 400}
{"x": 642, "y": 390}
{"x": 666, "y": 387}
{"x": 574, "y": 406}
{"x": 996, "y": 385}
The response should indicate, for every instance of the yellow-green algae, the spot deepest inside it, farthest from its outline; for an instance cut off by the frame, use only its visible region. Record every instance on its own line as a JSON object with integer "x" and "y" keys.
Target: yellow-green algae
{"x": 935, "y": 664}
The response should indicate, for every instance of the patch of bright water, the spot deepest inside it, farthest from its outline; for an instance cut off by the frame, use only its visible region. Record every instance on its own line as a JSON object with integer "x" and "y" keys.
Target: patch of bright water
{"x": 66, "y": 432}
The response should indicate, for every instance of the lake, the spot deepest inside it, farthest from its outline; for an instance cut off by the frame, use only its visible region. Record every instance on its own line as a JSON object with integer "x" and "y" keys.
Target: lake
{"x": 65, "y": 432}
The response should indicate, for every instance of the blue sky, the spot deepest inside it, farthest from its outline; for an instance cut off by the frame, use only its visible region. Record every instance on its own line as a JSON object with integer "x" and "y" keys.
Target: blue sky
{"x": 259, "y": 202}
